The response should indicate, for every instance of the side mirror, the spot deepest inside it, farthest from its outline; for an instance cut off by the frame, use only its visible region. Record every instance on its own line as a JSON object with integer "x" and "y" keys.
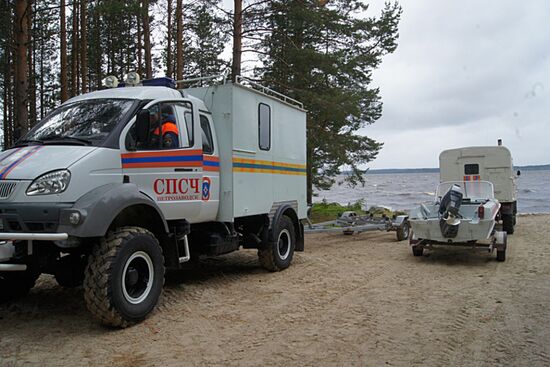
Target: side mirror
{"x": 142, "y": 126}
{"x": 519, "y": 173}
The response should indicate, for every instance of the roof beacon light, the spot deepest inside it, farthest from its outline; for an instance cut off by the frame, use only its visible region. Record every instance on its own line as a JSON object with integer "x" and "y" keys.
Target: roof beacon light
{"x": 111, "y": 81}
{"x": 160, "y": 82}
{"x": 131, "y": 79}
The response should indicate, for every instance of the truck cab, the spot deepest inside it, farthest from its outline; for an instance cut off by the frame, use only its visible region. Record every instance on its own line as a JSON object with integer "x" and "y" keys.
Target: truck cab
{"x": 493, "y": 164}
{"x": 116, "y": 186}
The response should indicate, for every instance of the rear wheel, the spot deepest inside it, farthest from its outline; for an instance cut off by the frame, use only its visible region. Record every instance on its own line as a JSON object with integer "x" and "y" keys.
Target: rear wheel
{"x": 124, "y": 277}
{"x": 278, "y": 255}
{"x": 417, "y": 250}
{"x": 16, "y": 284}
{"x": 508, "y": 223}
{"x": 403, "y": 231}
{"x": 413, "y": 242}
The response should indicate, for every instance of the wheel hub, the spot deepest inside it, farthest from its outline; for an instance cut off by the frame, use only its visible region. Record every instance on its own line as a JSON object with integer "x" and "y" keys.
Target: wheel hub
{"x": 137, "y": 277}
{"x": 132, "y": 277}
{"x": 283, "y": 244}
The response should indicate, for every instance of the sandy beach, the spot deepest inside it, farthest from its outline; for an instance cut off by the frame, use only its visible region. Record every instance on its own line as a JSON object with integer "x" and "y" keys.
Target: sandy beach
{"x": 360, "y": 300}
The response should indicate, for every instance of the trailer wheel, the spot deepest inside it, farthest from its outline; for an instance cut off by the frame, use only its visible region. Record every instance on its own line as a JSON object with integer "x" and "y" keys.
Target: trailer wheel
{"x": 403, "y": 231}
{"x": 417, "y": 250}
{"x": 278, "y": 255}
{"x": 508, "y": 223}
{"x": 16, "y": 284}
{"x": 124, "y": 277}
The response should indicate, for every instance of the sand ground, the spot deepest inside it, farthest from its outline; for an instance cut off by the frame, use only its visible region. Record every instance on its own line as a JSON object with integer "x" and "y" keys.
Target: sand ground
{"x": 360, "y": 300}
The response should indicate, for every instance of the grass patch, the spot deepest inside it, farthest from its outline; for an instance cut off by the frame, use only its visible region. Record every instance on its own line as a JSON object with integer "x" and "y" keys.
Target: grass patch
{"x": 325, "y": 211}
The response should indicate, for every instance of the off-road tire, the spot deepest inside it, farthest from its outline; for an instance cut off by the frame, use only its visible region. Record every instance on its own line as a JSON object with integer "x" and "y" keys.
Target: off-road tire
{"x": 16, "y": 284}
{"x": 103, "y": 279}
{"x": 417, "y": 250}
{"x": 270, "y": 256}
{"x": 403, "y": 231}
{"x": 70, "y": 270}
{"x": 501, "y": 255}
{"x": 508, "y": 223}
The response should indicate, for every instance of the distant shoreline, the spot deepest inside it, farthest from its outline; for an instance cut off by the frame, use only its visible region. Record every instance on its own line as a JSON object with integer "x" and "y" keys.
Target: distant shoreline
{"x": 543, "y": 167}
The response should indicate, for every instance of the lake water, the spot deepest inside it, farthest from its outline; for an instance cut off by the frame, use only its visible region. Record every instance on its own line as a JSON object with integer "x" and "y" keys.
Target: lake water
{"x": 407, "y": 190}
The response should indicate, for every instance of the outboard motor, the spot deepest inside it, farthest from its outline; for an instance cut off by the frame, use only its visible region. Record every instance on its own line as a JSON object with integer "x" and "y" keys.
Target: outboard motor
{"x": 448, "y": 211}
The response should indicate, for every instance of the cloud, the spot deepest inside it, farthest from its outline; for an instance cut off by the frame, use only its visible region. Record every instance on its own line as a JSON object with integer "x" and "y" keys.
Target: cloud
{"x": 465, "y": 73}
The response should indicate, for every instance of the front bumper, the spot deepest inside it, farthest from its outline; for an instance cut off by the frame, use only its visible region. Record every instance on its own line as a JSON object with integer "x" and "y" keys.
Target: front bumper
{"x": 7, "y": 249}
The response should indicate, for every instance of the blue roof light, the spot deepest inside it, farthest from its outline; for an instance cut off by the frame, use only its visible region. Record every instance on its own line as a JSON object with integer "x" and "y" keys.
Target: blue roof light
{"x": 160, "y": 82}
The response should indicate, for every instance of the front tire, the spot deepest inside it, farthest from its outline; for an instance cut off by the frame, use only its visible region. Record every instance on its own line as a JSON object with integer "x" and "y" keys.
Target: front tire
{"x": 124, "y": 277}
{"x": 276, "y": 256}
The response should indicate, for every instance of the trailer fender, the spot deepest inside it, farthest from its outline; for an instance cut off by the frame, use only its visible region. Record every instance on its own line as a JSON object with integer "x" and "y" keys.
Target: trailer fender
{"x": 288, "y": 210}
{"x": 101, "y": 206}
{"x": 400, "y": 220}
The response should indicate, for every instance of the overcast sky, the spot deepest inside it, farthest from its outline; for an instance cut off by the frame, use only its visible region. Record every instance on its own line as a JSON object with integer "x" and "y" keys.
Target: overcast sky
{"x": 466, "y": 73}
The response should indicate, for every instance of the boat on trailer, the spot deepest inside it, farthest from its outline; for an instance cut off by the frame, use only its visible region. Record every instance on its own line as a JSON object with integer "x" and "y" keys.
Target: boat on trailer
{"x": 462, "y": 214}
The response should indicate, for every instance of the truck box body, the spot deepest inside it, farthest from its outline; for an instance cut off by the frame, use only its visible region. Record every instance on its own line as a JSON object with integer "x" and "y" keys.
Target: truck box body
{"x": 254, "y": 180}
{"x": 492, "y": 163}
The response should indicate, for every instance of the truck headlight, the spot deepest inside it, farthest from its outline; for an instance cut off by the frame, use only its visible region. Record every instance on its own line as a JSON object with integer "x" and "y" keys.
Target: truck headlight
{"x": 50, "y": 183}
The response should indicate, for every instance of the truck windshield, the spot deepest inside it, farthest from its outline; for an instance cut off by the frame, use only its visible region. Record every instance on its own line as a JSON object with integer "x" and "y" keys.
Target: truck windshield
{"x": 86, "y": 122}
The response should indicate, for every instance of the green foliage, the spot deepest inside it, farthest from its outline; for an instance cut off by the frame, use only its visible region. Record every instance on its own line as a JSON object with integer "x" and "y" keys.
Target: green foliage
{"x": 325, "y": 211}
{"x": 324, "y": 57}
{"x": 206, "y": 35}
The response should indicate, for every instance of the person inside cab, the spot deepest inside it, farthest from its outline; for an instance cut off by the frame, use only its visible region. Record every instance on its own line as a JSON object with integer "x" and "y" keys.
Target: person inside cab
{"x": 168, "y": 132}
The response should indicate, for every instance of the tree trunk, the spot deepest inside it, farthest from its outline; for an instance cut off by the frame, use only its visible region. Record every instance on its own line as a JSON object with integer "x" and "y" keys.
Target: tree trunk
{"x": 22, "y": 67}
{"x": 237, "y": 39}
{"x": 139, "y": 47}
{"x": 169, "y": 71}
{"x": 147, "y": 40}
{"x": 83, "y": 46}
{"x": 98, "y": 51}
{"x": 7, "y": 93}
{"x": 179, "y": 40}
{"x": 31, "y": 59}
{"x": 74, "y": 51}
{"x": 42, "y": 112}
{"x": 63, "y": 53}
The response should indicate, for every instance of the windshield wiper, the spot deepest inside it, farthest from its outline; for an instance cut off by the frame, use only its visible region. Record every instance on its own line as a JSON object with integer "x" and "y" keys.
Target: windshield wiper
{"x": 58, "y": 139}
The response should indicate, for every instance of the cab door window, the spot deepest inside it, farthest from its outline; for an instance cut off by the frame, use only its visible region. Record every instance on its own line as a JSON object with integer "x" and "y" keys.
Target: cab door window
{"x": 207, "y": 141}
{"x": 170, "y": 127}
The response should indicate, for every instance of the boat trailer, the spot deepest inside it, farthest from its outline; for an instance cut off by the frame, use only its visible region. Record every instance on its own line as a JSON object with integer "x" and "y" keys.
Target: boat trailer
{"x": 349, "y": 223}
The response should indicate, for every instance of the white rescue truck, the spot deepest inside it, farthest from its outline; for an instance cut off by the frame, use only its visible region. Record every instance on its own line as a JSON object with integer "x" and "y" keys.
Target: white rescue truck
{"x": 491, "y": 163}
{"x": 116, "y": 186}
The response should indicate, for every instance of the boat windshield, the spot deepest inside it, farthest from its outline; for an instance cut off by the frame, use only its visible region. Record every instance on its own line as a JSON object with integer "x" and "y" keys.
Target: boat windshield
{"x": 473, "y": 190}
{"x": 86, "y": 122}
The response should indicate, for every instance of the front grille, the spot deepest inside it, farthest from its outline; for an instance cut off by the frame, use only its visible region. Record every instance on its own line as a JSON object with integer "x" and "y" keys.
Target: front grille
{"x": 6, "y": 188}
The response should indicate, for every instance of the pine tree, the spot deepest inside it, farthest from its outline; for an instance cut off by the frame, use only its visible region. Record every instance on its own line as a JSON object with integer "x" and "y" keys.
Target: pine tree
{"x": 206, "y": 37}
{"x": 22, "y": 67}
{"x": 179, "y": 40}
{"x": 63, "y": 52}
{"x": 324, "y": 56}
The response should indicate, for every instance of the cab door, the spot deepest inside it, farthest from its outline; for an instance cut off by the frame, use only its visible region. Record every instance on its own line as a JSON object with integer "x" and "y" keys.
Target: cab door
{"x": 168, "y": 166}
